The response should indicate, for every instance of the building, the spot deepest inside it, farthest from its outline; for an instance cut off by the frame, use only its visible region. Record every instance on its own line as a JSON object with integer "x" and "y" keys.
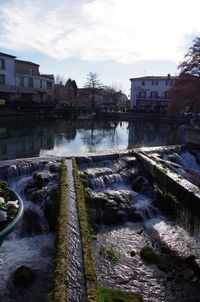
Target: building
{"x": 151, "y": 92}
{"x": 7, "y": 76}
{"x": 89, "y": 98}
{"x": 21, "y": 81}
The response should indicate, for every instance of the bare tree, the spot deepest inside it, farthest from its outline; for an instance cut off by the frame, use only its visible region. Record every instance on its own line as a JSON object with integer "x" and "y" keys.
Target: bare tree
{"x": 93, "y": 82}
{"x": 59, "y": 79}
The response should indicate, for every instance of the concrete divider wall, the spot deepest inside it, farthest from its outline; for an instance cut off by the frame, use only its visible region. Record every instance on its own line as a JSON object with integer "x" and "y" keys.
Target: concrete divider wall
{"x": 187, "y": 193}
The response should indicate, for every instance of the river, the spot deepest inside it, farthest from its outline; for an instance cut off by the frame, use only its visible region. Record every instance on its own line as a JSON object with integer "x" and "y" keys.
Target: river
{"x": 29, "y": 137}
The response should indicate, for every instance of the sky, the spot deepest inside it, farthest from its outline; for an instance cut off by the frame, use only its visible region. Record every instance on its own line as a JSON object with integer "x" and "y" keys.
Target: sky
{"x": 116, "y": 39}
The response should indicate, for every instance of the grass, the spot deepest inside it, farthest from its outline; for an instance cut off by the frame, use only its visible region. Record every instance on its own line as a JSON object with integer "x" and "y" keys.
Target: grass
{"x": 89, "y": 268}
{"x": 114, "y": 294}
{"x": 109, "y": 253}
{"x": 59, "y": 291}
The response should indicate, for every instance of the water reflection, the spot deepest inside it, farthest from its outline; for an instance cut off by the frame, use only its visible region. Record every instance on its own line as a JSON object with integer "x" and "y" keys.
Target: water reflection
{"x": 25, "y": 137}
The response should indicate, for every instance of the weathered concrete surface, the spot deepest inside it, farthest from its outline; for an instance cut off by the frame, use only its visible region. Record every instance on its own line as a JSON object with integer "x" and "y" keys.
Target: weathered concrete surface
{"x": 190, "y": 135}
{"x": 186, "y": 192}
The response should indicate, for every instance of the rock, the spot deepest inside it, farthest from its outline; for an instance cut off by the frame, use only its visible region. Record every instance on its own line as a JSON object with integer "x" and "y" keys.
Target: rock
{"x": 51, "y": 209}
{"x": 148, "y": 254}
{"x": 41, "y": 179}
{"x": 140, "y": 184}
{"x": 30, "y": 224}
{"x": 132, "y": 253}
{"x": 24, "y": 275}
{"x": 38, "y": 196}
{"x": 195, "y": 279}
{"x": 54, "y": 167}
{"x": 163, "y": 267}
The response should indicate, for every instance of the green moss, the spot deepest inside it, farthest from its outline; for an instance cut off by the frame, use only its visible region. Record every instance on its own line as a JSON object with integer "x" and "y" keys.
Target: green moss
{"x": 109, "y": 253}
{"x": 171, "y": 199}
{"x": 90, "y": 273}
{"x": 117, "y": 295}
{"x": 59, "y": 291}
{"x": 24, "y": 275}
{"x": 147, "y": 253}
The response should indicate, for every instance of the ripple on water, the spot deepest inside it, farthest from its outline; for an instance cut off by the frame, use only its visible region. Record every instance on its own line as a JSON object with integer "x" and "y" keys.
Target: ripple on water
{"x": 132, "y": 273}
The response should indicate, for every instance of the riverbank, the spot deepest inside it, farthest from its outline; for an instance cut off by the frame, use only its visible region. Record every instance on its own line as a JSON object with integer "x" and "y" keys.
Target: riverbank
{"x": 33, "y": 109}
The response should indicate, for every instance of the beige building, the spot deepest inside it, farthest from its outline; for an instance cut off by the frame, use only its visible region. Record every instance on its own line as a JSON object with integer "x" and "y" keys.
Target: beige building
{"x": 21, "y": 81}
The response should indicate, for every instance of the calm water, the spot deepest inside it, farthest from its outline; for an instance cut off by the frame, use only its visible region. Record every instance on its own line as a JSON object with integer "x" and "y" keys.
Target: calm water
{"x": 28, "y": 137}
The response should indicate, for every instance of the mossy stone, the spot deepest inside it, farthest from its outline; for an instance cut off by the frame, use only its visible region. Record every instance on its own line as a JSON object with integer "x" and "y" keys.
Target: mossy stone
{"x": 24, "y": 275}
{"x": 147, "y": 253}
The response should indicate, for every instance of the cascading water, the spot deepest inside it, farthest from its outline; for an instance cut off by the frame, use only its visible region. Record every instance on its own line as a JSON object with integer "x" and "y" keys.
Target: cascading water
{"x": 31, "y": 244}
{"x": 130, "y": 221}
{"x": 76, "y": 285}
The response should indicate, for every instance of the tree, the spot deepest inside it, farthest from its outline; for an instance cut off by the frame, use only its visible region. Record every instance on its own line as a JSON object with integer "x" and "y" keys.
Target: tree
{"x": 59, "y": 79}
{"x": 112, "y": 96}
{"x": 65, "y": 94}
{"x": 93, "y": 83}
{"x": 186, "y": 89}
{"x": 191, "y": 64}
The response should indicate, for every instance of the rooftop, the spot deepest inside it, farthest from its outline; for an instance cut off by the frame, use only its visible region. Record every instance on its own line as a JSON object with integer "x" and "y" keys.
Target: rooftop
{"x": 26, "y": 62}
{"x": 167, "y": 77}
{"x": 7, "y": 55}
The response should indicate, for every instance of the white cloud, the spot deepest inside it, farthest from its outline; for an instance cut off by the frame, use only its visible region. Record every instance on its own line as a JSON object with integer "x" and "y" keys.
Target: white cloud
{"x": 124, "y": 31}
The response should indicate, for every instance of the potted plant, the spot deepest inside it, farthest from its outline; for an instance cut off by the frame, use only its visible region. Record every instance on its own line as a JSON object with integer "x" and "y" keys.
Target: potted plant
{"x": 11, "y": 210}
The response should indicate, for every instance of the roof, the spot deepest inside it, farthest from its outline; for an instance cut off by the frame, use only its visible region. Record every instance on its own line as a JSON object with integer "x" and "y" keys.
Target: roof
{"x": 6, "y": 55}
{"x": 168, "y": 77}
{"x": 26, "y": 62}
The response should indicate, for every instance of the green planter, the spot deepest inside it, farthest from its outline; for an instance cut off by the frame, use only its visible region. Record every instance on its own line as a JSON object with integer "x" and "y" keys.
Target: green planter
{"x": 12, "y": 225}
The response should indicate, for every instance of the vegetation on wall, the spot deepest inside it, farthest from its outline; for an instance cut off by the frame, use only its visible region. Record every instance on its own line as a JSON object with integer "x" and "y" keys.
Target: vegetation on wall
{"x": 90, "y": 273}
{"x": 59, "y": 290}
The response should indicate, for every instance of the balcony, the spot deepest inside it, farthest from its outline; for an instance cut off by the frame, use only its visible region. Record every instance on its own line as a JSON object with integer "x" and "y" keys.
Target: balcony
{"x": 7, "y": 88}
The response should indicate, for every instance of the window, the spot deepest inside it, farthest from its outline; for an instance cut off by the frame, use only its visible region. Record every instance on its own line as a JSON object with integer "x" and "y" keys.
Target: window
{"x": 142, "y": 94}
{"x": 49, "y": 85}
{"x": 154, "y": 94}
{"x": 170, "y": 83}
{"x": 41, "y": 84}
{"x": 21, "y": 81}
{"x": 154, "y": 83}
{"x": 2, "y": 79}
{"x": 30, "y": 82}
{"x": 143, "y": 83}
{"x": 2, "y": 64}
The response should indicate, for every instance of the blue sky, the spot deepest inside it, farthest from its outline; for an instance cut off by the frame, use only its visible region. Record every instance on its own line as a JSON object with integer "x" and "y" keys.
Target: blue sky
{"x": 117, "y": 39}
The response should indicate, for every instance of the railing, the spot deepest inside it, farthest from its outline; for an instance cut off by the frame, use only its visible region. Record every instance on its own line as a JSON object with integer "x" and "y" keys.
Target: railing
{"x": 12, "y": 225}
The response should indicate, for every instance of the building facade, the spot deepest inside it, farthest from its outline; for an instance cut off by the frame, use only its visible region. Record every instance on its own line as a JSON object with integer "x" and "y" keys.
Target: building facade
{"x": 151, "y": 92}
{"x": 21, "y": 81}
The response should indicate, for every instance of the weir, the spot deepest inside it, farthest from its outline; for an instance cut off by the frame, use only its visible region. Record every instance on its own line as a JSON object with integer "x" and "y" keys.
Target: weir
{"x": 76, "y": 285}
{"x": 129, "y": 206}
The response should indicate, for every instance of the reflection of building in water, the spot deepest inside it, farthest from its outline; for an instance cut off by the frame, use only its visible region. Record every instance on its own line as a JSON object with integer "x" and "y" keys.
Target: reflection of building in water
{"x": 27, "y": 146}
{"x": 150, "y": 134}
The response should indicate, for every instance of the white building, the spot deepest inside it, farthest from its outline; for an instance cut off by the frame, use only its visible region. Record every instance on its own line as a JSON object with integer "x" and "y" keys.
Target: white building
{"x": 21, "y": 80}
{"x": 150, "y": 92}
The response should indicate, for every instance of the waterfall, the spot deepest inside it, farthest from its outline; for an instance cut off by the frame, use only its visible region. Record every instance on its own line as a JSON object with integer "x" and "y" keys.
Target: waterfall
{"x": 32, "y": 242}
{"x": 76, "y": 286}
{"x": 8, "y": 172}
{"x": 112, "y": 192}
